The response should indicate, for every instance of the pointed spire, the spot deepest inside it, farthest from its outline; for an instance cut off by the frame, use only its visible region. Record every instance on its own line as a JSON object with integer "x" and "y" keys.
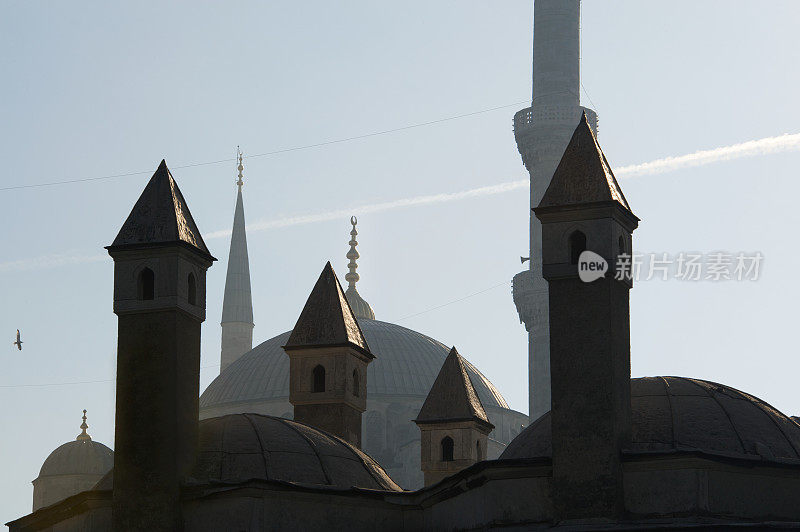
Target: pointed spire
{"x": 583, "y": 175}
{"x": 160, "y": 216}
{"x": 452, "y": 396}
{"x": 237, "y": 304}
{"x": 83, "y": 436}
{"x": 361, "y": 308}
{"x": 327, "y": 319}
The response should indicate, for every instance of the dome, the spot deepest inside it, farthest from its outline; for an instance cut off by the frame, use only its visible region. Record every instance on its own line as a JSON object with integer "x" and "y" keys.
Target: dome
{"x": 406, "y": 363}
{"x": 682, "y": 414}
{"x": 80, "y": 457}
{"x": 240, "y": 447}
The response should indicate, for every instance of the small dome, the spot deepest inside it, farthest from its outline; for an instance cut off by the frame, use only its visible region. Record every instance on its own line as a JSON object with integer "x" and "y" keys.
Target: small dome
{"x": 677, "y": 413}
{"x": 241, "y": 447}
{"x": 406, "y": 363}
{"x": 80, "y": 457}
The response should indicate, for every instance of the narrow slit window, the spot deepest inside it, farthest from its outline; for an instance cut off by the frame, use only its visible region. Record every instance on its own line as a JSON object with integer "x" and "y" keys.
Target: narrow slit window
{"x": 319, "y": 379}
{"x": 147, "y": 285}
{"x": 577, "y": 245}
{"x": 192, "y": 286}
{"x": 447, "y": 449}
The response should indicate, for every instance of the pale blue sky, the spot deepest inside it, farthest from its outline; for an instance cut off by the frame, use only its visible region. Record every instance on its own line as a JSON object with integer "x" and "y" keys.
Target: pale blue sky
{"x": 104, "y": 89}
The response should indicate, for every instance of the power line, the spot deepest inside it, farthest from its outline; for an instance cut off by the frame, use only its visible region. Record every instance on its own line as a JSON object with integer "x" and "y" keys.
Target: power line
{"x": 269, "y": 153}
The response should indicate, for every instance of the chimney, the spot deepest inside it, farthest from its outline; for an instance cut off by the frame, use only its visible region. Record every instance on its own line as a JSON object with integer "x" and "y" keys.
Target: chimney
{"x": 584, "y": 210}
{"x": 328, "y": 357}
{"x": 160, "y": 263}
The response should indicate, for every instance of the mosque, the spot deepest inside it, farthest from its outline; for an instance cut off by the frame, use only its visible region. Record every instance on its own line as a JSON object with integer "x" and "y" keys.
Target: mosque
{"x": 311, "y": 430}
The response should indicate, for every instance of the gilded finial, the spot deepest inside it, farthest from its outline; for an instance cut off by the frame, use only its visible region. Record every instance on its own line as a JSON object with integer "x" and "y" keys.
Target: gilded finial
{"x": 83, "y": 436}
{"x": 352, "y": 277}
{"x": 240, "y": 167}
{"x": 361, "y": 308}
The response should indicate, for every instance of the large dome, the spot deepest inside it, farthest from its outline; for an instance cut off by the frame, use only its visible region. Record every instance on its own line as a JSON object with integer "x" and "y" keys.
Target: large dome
{"x": 406, "y": 363}
{"x": 240, "y": 447}
{"x": 681, "y": 414}
{"x": 81, "y": 457}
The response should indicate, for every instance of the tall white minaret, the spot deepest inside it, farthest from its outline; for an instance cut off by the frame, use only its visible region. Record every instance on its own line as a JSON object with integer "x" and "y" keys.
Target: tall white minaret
{"x": 237, "y": 307}
{"x": 542, "y": 132}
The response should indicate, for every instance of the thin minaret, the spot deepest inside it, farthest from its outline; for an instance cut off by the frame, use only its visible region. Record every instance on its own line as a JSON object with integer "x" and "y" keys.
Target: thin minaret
{"x": 361, "y": 308}
{"x": 542, "y": 132}
{"x": 237, "y": 306}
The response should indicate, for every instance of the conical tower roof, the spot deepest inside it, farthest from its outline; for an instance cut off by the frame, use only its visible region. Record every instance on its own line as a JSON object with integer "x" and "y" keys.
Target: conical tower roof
{"x": 160, "y": 216}
{"x": 237, "y": 304}
{"x": 327, "y": 319}
{"x": 583, "y": 175}
{"x": 452, "y": 396}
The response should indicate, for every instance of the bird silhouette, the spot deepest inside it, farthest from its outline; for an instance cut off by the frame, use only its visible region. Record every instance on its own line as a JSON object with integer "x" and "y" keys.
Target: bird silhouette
{"x": 18, "y": 343}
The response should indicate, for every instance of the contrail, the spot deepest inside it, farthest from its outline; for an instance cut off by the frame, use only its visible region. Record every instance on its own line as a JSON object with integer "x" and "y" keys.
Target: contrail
{"x": 753, "y": 148}
{"x": 766, "y": 146}
{"x": 377, "y": 207}
{"x": 50, "y": 261}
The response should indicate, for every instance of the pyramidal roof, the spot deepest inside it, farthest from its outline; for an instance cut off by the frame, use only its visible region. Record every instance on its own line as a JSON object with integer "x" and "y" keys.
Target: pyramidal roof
{"x": 160, "y": 216}
{"x": 327, "y": 319}
{"x": 583, "y": 175}
{"x": 452, "y": 396}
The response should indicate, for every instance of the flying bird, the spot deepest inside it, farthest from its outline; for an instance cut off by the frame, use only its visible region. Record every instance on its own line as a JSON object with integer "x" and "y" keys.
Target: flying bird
{"x": 18, "y": 343}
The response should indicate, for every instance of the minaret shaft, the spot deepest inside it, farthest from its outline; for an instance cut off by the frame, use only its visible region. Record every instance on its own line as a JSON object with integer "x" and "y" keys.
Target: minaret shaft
{"x": 237, "y": 306}
{"x": 542, "y": 132}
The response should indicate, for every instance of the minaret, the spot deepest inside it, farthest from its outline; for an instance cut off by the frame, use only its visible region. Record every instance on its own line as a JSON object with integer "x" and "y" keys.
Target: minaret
{"x": 160, "y": 263}
{"x": 360, "y": 307}
{"x": 582, "y": 210}
{"x": 542, "y": 132}
{"x": 237, "y": 306}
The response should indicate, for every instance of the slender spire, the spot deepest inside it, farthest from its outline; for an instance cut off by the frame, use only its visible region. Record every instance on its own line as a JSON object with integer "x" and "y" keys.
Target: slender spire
{"x": 83, "y": 436}
{"x": 237, "y": 305}
{"x": 360, "y": 307}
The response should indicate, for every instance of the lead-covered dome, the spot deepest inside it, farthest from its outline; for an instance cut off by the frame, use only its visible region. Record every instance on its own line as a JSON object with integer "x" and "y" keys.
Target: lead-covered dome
{"x": 682, "y": 414}
{"x": 406, "y": 363}
{"x": 78, "y": 457}
{"x": 240, "y": 447}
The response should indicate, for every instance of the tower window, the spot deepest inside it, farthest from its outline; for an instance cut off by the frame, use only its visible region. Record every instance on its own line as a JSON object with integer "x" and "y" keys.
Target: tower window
{"x": 147, "y": 285}
{"x": 319, "y": 379}
{"x": 577, "y": 245}
{"x": 447, "y": 449}
{"x": 621, "y": 246}
{"x": 356, "y": 383}
{"x": 478, "y": 450}
{"x": 192, "y": 285}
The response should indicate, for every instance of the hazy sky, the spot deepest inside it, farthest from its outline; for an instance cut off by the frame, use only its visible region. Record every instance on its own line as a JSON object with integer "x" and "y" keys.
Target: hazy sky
{"x": 110, "y": 89}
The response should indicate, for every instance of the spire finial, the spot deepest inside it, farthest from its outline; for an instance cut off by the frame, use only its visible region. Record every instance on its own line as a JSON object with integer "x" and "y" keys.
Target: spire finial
{"x": 352, "y": 277}
{"x": 83, "y": 436}
{"x": 240, "y": 167}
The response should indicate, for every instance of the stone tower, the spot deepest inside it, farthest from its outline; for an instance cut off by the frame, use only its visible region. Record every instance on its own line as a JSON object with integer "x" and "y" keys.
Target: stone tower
{"x": 328, "y": 357}
{"x": 584, "y": 209}
{"x": 237, "y": 305}
{"x": 453, "y": 425}
{"x": 542, "y": 132}
{"x": 160, "y": 263}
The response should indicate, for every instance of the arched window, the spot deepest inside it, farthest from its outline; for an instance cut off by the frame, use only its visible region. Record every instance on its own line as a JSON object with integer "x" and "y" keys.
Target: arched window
{"x": 447, "y": 449}
{"x": 356, "y": 383}
{"x": 319, "y": 379}
{"x": 147, "y": 284}
{"x": 621, "y": 246}
{"x": 577, "y": 245}
{"x": 192, "y": 290}
{"x": 478, "y": 450}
